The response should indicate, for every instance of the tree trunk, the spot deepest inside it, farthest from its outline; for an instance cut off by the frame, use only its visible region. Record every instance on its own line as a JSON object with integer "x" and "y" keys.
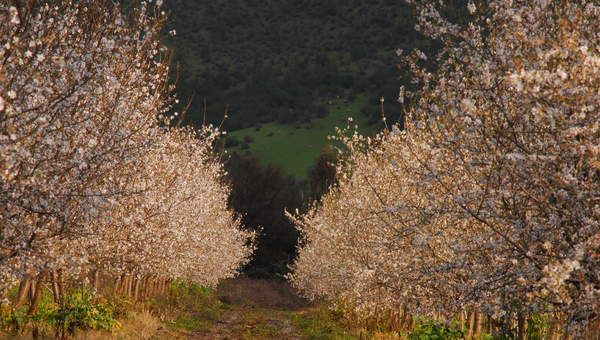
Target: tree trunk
{"x": 161, "y": 288}
{"x": 119, "y": 285}
{"x": 144, "y": 289}
{"x": 152, "y": 285}
{"x": 471, "y": 326}
{"x": 522, "y": 327}
{"x": 37, "y": 298}
{"x": 478, "y": 326}
{"x": 129, "y": 285}
{"x": 24, "y": 288}
{"x": 553, "y": 330}
{"x": 55, "y": 288}
{"x": 61, "y": 287}
{"x": 136, "y": 294}
{"x": 96, "y": 284}
{"x": 159, "y": 282}
{"x": 96, "y": 277}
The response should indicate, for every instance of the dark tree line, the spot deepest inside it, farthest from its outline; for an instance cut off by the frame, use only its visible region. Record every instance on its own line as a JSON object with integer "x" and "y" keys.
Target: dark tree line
{"x": 262, "y": 194}
{"x": 280, "y": 60}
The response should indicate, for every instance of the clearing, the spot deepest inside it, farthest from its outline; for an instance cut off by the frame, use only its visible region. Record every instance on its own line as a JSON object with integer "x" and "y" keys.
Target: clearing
{"x": 296, "y": 146}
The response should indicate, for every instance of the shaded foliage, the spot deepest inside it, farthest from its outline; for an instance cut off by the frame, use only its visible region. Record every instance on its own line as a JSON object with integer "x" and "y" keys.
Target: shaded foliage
{"x": 261, "y": 194}
{"x": 279, "y": 60}
{"x": 321, "y": 175}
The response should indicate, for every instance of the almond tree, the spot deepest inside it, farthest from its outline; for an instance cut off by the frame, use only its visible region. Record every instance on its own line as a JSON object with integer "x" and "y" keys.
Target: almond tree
{"x": 512, "y": 114}
{"x": 375, "y": 241}
{"x": 495, "y": 203}
{"x": 179, "y": 226}
{"x": 88, "y": 162}
{"x": 81, "y": 90}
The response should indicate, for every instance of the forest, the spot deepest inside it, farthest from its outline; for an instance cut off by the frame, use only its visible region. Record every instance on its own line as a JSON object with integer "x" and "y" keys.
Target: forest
{"x": 457, "y": 195}
{"x": 280, "y": 61}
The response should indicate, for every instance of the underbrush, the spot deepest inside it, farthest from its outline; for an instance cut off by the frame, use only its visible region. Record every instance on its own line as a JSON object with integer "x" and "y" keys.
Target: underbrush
{"x": 324, "y": 323}
{"x": 84, "y": 317}
{"x": 79, "y": 311}
{"x": 188, "y": 306}
{"x": 341, "y": 322}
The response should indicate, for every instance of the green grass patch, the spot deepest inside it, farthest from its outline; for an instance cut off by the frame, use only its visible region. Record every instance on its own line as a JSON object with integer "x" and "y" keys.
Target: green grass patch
{"x": 190, "y": 307}
{"x": 320, "y": 323}
{"x": 295, "y": 147}
{"x": 193, "y": 323}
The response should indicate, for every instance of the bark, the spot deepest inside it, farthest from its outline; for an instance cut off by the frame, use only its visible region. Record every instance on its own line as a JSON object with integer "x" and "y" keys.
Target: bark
{"x": 408, "y": 320}
{"x": 129, "y": 285}
{"x": 479, "y": 326}
{"x": 522, "y": 327}
{"x": 37, "y": 289}
{"x": 136, "y": 295}
{"x": 152, "y": 285}
{"x": 55, "y": 288}
{"x": 119, "y": 285}
{"x": 148, "y": 287}
{"x": 471, "y": 325}
{"x": 553, "y": 331}
{"x": 24, "y": 288}
{"x": 96, "y": 284}
{"x": 96, "y": 277}
{"x": 32, "y": 290}
{"x": 161, "y": 288}
{"x": 144, "y": 288}
{"x": 61, "y": 287}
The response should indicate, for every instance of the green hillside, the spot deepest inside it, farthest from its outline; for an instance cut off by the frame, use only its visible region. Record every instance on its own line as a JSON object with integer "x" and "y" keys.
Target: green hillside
{"x": 274, "y": 65}
{"x": 294, "y": 147}
{"x": 280, "y": 60}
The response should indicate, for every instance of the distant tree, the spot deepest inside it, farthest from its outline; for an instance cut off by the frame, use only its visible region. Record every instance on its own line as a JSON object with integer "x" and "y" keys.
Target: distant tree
{"x": 262, "y": 194}
{"x": 231, "y": 142}
{"x": 321, "y": 175}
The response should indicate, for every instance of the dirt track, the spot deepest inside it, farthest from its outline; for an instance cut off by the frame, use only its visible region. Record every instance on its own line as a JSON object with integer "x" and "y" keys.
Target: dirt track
{"x": 261, "y": 310}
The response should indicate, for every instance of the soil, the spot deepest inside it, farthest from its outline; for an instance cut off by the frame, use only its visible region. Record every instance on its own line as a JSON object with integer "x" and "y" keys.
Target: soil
{"x": 260, "y": 309}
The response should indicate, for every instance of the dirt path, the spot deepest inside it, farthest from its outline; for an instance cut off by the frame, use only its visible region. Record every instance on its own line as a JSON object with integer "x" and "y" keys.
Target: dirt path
{"x": 250, "y": 324}
{"x": 257, "y": 309}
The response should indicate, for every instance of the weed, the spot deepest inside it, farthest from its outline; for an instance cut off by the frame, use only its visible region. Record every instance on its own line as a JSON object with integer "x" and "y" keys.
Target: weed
{"x": 434, "y": 330}
{"x": 80, "y": 312}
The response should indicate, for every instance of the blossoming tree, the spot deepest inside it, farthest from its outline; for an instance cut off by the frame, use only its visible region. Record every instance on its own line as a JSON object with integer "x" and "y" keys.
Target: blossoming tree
{"x": 91, "y": 176}
{"x": 493, "y": 202}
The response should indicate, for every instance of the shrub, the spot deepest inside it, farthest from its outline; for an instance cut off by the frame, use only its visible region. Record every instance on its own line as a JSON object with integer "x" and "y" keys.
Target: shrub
{"x": 433, "y": 330}
{"x": 231, "y": 142}
{"x": 81, "y": 312}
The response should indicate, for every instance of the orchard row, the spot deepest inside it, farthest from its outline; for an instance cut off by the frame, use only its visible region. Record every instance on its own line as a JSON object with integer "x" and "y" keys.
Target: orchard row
{"x": 94, "y": 177}
{"x": 489, "y": 200}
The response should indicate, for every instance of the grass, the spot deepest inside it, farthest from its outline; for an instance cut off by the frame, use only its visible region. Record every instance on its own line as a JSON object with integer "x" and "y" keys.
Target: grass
{"x": 295, "y": 147}
{"x": 255, "y": 310}
{"x": 320, "y": 323}
{"x": 190, "y": 307}
{"x": 260, "y": 324}
{"x": 139, "y": 325}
